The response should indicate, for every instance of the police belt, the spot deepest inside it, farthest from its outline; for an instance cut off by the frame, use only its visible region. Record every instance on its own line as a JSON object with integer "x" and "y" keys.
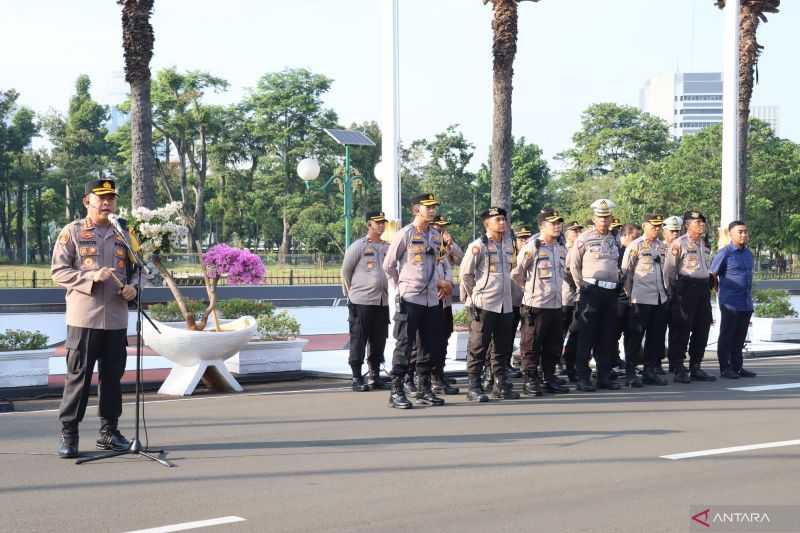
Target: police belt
{"x": 689, "y": 280}
{"x": 600, "y": 283}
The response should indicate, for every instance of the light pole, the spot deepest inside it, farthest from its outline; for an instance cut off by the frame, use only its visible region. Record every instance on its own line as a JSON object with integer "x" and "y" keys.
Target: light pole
{"x": 26, "y": 224}
{"x": 474, "y": 184}
{"x": 729, "y": 208}
{"x": 308, "y": 171}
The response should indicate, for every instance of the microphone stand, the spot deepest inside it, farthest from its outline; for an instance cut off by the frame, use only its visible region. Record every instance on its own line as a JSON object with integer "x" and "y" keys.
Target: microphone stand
{"x": 136, "y": 447}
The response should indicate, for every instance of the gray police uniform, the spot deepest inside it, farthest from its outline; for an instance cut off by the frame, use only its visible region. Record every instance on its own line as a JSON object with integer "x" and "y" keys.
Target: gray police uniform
{"x": 540, "y": 270}
{"x": 687, "y": 275}
{"x": 593, "y": 263}
{"x": 644, "y": 283}
{"x": 486, "y": 288}
{"x": 97, "y": 318}
{"x": 365, "y": 285}
{"x": 411, "y": 263}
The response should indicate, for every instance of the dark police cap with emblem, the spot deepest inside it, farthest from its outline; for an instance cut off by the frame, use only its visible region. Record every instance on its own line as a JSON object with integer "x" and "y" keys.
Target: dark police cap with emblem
{"x": 493, "y": 212}
{"x": 548, "y": 214}
{"x": 654, "y": 219}
{"x": 615, "y": 223}
{"x": 376, "y": 216}
{"x": 100, "y": 187}
{"x": 439, "y": 220}
{"x": 523, "y": 232}
{"x": 574, "y": 226}
{"x": 693, "y": 215}
{"x": 426, "y": 199}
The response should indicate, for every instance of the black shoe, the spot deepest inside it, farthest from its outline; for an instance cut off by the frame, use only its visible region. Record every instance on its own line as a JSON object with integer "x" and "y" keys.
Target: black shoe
{"x": 681, "y": 375}
{"x": 613, "y": 375}
{"x": 585, "y": 385}
{"x": 651, "y": 377}
{"x": 68, "y": 445}
{"x": 746, "y": 373}
{"x": 532, "y": 386}
{"x": 397, "y": 398}
{"x": 610, "y": 385}
{"x": 442, "y": 386}
{"x": 358, "y": 385}
{"x": 513, "y": 373}
{"x": 425, "y": 395}
{"x": 698, "y": 374}
{"x": 729, "y": 373}
{"x": 112, "y": 439}
{"x": 475, "y": 393}
{"x": 554, "y": 385}
{"x": 503, "y": 390}
{"x": 632, "y": 380}
{"x": 375, "y": 381}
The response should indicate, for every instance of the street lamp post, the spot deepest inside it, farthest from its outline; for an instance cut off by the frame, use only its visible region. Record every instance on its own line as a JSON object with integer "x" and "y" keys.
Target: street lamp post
{"x": 474, "y": 207}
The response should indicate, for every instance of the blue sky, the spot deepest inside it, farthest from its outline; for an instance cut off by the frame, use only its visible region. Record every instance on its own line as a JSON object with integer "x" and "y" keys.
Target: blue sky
{"x": 572, "y": 53}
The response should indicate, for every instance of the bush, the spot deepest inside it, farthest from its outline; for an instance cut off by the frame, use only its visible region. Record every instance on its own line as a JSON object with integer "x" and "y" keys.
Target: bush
{"x": 17, "y": 339}
{"x": 772, "y": 303}
{"x": 461, "y": 319}
{"x": 278, "y": 327}
{"x": 239, "y": 307}
{"x": 170, "y": 312}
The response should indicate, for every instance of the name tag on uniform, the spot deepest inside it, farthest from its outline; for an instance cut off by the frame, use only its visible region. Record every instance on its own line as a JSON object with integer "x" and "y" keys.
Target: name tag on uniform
{"x": 370, "y": 265}
{"x": 86, "y": 234}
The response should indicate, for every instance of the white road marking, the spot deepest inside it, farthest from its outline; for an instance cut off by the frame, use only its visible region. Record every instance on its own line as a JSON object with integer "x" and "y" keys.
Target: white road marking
{"x": 732, "y": 449}
{"x": 759, "y": 388}
{"x": 185, "y": 526}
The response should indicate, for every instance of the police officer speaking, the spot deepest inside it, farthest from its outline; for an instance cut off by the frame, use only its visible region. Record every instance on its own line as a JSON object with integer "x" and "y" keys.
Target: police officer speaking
{"x": 91, "y": 262}
{"x": 593, "y": 263}
{"x": 366, "y": 287}
{"x": 486, "y": 291}
{"x": 411, "y": 264}
{"x": 687, "y": 273}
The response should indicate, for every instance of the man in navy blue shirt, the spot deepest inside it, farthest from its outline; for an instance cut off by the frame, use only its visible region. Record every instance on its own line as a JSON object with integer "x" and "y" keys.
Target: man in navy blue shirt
{"x": 732, "y": 269}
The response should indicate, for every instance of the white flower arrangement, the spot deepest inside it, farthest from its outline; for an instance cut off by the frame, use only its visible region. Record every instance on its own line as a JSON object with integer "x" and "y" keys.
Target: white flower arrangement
{"x": 158, "y": 230}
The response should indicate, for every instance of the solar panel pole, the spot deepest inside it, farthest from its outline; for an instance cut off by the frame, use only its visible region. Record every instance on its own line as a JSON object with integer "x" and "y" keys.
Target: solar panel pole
{"x": 348, "y": 197}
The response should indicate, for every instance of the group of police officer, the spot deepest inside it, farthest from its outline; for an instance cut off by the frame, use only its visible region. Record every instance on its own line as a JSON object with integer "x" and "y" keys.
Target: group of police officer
{"x": 572, "y": 290}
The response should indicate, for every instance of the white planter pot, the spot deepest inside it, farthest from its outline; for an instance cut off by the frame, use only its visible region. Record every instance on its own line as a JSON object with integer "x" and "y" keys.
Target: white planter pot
{"x": 25, "y": 368}
{"x": 457, "y": 347}
{"x": 199, "y": 354}
{"x": 774, "y": 329}
{"x": 259, "y": 356}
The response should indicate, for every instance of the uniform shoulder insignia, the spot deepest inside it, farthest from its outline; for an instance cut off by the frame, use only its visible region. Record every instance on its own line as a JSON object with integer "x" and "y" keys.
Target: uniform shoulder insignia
{"x": 676, "y": 250}
{"x": 64, "y": 236}
{"x": 476, "y": 249}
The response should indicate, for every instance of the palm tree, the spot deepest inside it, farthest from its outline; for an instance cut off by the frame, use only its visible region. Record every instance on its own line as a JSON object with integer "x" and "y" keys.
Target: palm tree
{"x": 752, "y": 12}
{"x": 504, "y": 48}
{"x": 137, "y": 41}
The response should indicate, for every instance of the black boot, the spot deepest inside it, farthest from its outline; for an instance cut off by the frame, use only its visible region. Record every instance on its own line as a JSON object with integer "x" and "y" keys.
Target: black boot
{"x": 425, "y": 395}
{"x": 375, "y": 381}
{"x": 585, "y": 385}
{"x": 411, "y": 383}
{"x": 532, "y": 385}
{"x": 554, "y": 386}
{"x": 111, "y": 439}
{"x": 681, "y": 374}
{"x": 441, "y": 385}
{"x": 631, "y": 379}
{"x": 359, "y": 385}
{"x": 503, "y": 389}
{"x": 397, "y": 398}
{"x": 651, "y": 377}
{"x": 68, "y": 443}
{"x": 474, "y": 391}
{"x": 698, "y": 374}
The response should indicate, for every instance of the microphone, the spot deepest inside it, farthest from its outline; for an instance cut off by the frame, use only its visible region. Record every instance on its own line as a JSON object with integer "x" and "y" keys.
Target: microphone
{"x": 114, "y": 220}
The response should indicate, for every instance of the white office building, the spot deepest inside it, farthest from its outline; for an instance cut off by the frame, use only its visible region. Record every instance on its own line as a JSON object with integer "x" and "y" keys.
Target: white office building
{"x": 690, "y": 101}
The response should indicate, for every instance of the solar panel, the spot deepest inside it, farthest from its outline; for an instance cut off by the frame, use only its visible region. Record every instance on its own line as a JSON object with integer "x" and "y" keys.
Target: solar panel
{"x": 349, "y": 137}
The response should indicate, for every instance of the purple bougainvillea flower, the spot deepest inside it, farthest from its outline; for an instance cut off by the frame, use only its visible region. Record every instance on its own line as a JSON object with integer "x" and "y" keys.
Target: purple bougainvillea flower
{"x": 241, "y": 266}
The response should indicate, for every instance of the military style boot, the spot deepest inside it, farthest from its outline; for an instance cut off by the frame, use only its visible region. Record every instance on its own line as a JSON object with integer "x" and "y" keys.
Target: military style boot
{"x": 359, "y": 385}
{"x": 441, "y": 385}
{"x": 474, "y": 392}
{"x": 681, "y": 374}
{"x": 111, "y": 439}
{"x": 698, "y": 374}
{"x": 425, "y": 395}
{"x": 651, "y": 377}
{"x": 397, "y": 398}
{"x": 554, "y": 386}
{"x": 375, "y": 381}
{"x": 68, "y": 443}
{"x": 503, "y": 389}
{"x": 411, "y": 383}
{"x": 532, "y": 385}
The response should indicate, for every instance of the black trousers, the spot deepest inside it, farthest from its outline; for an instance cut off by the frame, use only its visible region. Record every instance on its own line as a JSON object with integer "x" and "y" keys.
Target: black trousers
{"x": 410, "y": 320}
{"x": 491, "y": 328}
{"x": 569, "y": 329}
{"x": 650, "y": 320}
{"x": 516, "y": 318}
{"x": 623, "y": 316}
{"x": 85, "y": 347}
{"x": 691, "y": 317}
{"x": 541, "y": 340}
{"x": 369, "y": 326}
{"x": 438, "y": 362}
{"x": 732, "y": 334}
{"x": 596, "y": 319}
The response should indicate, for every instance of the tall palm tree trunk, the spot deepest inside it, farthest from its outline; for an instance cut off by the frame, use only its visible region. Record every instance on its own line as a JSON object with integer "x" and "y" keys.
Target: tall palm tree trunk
{"x": 137, "y": 41}
{"x": 504, "y": 48}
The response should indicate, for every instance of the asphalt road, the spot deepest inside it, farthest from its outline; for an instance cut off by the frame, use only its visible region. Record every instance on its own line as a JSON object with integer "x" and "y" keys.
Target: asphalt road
{"x": 336, "y": 461}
